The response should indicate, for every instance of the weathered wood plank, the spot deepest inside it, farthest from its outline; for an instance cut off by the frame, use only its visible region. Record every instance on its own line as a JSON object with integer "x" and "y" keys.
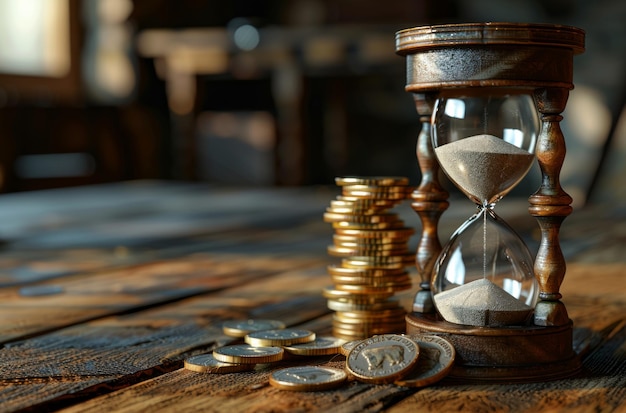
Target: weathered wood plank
{"x": 115, "y": 292}
{"x": 602, "y": 385}
{"x": 111, "y": 353}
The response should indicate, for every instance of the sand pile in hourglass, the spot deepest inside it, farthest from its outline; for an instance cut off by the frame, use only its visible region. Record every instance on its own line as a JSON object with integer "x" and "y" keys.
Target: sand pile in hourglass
{"x": 372, "y": 242}
{"x": 484, "y": 167}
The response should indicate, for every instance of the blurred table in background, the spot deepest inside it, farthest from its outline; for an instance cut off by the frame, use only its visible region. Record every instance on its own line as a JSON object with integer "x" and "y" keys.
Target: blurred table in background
{"x": 106, "y": 289}
{"x": 285, "y": 57}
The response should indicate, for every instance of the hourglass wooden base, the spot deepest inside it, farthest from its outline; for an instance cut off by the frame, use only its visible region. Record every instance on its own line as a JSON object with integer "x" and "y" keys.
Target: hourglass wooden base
{"x": 506, "y": 354}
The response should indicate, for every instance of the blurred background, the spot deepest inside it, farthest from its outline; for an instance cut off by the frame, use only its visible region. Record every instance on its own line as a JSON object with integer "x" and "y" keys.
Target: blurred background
{"x": 263, "y": 92}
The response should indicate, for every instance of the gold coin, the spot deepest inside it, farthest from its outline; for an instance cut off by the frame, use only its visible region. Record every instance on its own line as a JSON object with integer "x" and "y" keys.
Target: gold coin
{"x": 370, "y": 329}
{"x": 348, "y": 262}
{"x": 368, "y": 226}
{"x": 401, "y": 246}
{"x": 206, "y": 363}
{"x": 392, "y": 313}
{"x": 339, "y": 305}
{"x": 435, "y": 361}
{"x": 357, "y": 252}
{"x": 372, "y": 289}
{"x": 307, "y": 378}
{"x": 362, "y": 272}
{"x": 376, "y": 189}
{"x": 350, "y": 201}
{"x": 376, "y": 195}
{"x": 285, "y": 337}
{"x": 363, "y": 333}
{"x": 371, "y": 180}
{"x": 402, "y": 233}
{"x": 318, "y": 347}
{"x": 355, "y": 210}
{"x": 239, "y": 328}
{"x": 365, "y": 219}
{"x": 385, "y": 282}
{"x": 245, "y": 354}
{"x": 370, "y": 240}
{"x": 382, "y": 359}
{"x": 333, "y": 293}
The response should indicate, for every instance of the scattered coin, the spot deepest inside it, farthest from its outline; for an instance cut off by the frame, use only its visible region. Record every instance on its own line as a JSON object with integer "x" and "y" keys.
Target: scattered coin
{"x": 318, "y": 347}
{"x": 239, "y": 328}
{"x": 307, "y": 378}
{"x": 285, "y": 337}
{"x": 206, "y": 363}
{"x": 435, "y": 361}
{"x": 246, "y": 354}
{"x": 348, "y": 346}
{"x": 383, "y": 358}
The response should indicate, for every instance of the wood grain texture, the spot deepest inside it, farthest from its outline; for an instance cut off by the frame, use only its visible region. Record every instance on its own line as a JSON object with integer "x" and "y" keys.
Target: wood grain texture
{"x": 115, "y": 337}
{"x": 111, "y": 353}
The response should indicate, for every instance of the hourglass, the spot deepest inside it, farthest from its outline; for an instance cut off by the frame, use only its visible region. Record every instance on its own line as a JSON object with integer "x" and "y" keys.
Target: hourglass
{"x": 489, "y": 96}
{"x": 485, "y": 144}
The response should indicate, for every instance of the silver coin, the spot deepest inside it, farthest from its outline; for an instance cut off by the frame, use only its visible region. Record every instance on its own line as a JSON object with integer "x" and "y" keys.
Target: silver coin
{"x": 307, "y": 378}
{"x": 319, "y": 346}
{"x": 239, "y": 328}
{"x": 435, "y": 361}
{"x": 284, "y": 337}
{"x": 383, "y": 358}
{"x": 348, "y": 346}
{"x": 206, "y": 363}
{"x": 246, "y": 354}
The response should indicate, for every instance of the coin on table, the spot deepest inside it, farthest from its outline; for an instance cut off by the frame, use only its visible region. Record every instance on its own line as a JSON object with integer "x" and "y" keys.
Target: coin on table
{"x": 239, "y": 328}
{"x": 206, "y": 363}
{"x": 308, "y": 378}
{"x": 284, "y": 337}
{"x": 382, "y": 359}
{"x": 371, "y": 180}
{"x": 348, "y": 346}
{"x": 435, "y": 361}
{"x": 246, "y": 354}
{"x": 318, "y": 347}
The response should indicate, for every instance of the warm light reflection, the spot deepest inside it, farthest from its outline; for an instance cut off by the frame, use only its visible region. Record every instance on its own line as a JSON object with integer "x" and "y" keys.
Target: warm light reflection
{"x": 35, "y": 37}
{"x": 455, "y": 108}
{"x": 455, "y": 272}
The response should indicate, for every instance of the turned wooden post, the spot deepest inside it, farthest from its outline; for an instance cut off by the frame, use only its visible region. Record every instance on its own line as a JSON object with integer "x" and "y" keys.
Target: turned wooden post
{"x": 550, "y": 205}
{"x": 429, "y": 201}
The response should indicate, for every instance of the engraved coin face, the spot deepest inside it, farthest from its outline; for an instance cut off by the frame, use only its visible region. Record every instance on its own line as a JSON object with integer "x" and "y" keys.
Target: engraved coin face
{"x": 383, "y": 358}
{"x": 206, "y": 363}
{"x": 284, "y": 337}
{"x": 319, "y": 346}
{"x": 435, "y": 361}
{"x": 239, "y": 328}
{"x": 308, "y": 378}
{"x": 246, "y": 354}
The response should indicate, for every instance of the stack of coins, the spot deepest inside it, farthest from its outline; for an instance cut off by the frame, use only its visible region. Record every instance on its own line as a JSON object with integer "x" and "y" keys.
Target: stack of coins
{"x": 373, "y": 244}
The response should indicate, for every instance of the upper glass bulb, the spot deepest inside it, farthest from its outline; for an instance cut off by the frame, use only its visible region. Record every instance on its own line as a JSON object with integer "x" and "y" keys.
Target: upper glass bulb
{"x": 485, "y": 140}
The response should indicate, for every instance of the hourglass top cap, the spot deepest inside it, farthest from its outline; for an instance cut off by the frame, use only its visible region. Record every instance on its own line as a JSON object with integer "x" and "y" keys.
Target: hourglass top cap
{"x": 530, "y": 34}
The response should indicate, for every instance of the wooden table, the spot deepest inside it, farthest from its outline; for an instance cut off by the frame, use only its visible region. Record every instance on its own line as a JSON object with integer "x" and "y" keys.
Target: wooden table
{"x": 107, "y": 289}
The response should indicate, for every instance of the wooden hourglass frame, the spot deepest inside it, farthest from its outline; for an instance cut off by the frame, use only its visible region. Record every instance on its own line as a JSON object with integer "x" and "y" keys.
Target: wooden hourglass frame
{"x": 538, "y": 59}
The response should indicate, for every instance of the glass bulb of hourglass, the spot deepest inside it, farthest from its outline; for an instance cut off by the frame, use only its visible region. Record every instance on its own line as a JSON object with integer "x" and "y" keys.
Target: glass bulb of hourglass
{"x": 485, "y": 145}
